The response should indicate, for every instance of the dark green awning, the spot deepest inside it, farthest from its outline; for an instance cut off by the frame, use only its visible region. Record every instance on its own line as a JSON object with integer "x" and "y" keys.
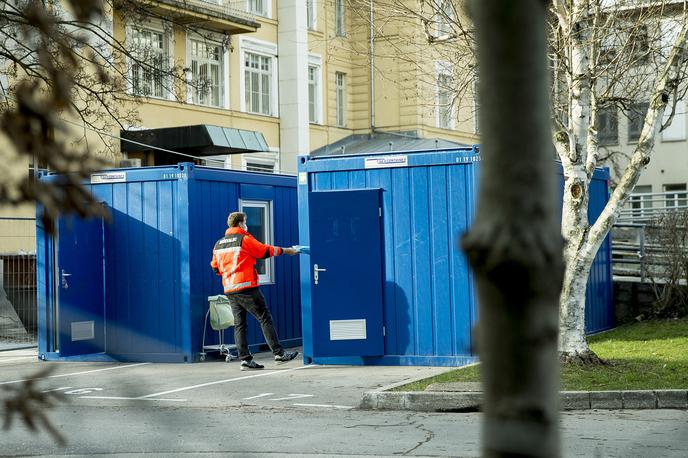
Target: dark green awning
{"x": 199, "y": 140}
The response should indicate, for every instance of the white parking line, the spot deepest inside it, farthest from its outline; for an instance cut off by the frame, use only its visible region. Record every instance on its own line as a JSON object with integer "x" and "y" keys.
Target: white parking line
{"x": 76, "y": 373}
{"x": 132, "y": 399}
{"x": 218, "y": 382}
{"x": 2, "y": 361}
{"x": 293, "y": 397}
{"x": 331, "y": 406}
{"x": 259, "y": 396}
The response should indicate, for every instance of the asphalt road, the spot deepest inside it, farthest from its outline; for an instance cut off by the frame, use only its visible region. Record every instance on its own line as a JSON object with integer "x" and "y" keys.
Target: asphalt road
{"x": 214, "y": 409}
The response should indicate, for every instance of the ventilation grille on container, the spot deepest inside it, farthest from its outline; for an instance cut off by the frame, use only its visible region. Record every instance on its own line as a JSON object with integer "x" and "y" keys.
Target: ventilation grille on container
{"x": 347, "y": 329}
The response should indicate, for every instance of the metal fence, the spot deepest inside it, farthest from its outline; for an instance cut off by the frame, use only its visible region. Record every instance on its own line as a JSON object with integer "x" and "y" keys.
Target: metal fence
{"x": 18, "y": 322}
{"x": 645, "y": 206}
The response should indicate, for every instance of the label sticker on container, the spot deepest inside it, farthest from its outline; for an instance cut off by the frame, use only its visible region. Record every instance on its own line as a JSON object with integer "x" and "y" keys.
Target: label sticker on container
{"x": 387, "y": 161}
{"x": 108, "y": 177}
{"x": 303, "y": 178}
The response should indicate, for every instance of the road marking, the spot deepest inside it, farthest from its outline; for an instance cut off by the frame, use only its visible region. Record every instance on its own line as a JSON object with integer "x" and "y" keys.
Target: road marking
{"x": 259, "y": 396}
{"x": 57, "y": 389}
{"x": 132, "y": 399}
{"x": 77, "y": 373}
{"x": 292, "y": 397}
{"x": 331, "y": 406}
{"x": 83, "y": 390}
{"x": 18, "y": 358}
{"x": 218, "y": 382}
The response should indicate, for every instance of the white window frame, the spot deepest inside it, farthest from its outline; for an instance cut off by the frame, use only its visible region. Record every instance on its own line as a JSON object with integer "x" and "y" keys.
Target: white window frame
{"x": 224, "y": 67}
{"x": 168, "y": 43}
{"x": 265, "y": 49}
{"x": 267, "y": 13}
{"x": 676, "y": 131}
{"x": 268, "y": 237}
{"x": 443, "y": 69}
{"x": 315, "y": 61}
{"x": 312, "y": 14}
{"x": 340, "y": 103}
{"x": 339, "y": 19}
{"x": 265, "y": 158}
{"x": 445, "y": 14}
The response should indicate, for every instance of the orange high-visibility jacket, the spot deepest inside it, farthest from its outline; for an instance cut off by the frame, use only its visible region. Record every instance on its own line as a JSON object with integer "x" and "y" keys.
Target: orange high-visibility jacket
{"x": 234, "y": 258}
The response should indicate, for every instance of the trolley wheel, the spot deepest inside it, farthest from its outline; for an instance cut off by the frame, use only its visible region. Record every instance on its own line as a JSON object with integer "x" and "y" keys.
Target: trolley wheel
{"x": 228, "y": 358}
{"x": 202, "y": 358}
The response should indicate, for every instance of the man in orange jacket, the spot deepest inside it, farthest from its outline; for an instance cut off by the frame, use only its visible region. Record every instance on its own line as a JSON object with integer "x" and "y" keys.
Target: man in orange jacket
{"x": 234, "y": 258}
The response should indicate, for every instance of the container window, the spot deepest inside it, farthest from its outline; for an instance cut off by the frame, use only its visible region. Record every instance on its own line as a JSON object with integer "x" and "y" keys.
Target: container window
{"x": 259, "y": 222}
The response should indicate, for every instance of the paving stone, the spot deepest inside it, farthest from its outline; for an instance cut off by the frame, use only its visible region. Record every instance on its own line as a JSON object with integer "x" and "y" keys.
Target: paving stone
{"x": 672, "y": 399}
{"x": 575, "y": 400}
{"x": 606, "y": 400}
{"x": 639, "y": 399}
{"x": 456, "y": 387}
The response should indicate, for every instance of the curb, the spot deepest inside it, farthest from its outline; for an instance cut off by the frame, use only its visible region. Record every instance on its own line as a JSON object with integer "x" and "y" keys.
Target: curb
{"x": 425, "y": 401}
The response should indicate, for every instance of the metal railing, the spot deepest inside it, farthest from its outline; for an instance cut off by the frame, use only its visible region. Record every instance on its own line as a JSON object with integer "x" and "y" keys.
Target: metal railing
{"x": 18, "y": 323}
{"x": 232, "y": 8}
{"x": 18, "y": 319}
{"x": 641, "y": 208}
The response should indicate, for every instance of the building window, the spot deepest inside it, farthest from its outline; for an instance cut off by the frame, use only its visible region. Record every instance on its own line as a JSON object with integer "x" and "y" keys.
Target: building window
{"x": 207, "y": 78}
{"x": 258, "y": 83}
{"x": 311, "y": 14}
{"x": 259, "y": 222}
{"x": 675, "y": 195}
{"x": 676, "y": 131}
{"x": 339, "y": 18}
{"x": 607, "y": 126}
{"x": 445, "y": 119}
{"x": 259, "y": 167}
{"x": 445, "y": 17}
{"x": 641, "y": 45}
{"x": 641, "y": 201}
{"x": 314, "y": 94}
{"x": 340, "y": 85}
{"x": 150, "y": 63}
{"x": 636, "y": 119}
{"x": 259, "y": 7}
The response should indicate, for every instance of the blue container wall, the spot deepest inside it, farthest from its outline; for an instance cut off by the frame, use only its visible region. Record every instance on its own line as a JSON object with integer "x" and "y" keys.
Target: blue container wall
{"x": 428, "y": 298}
{"x": 599, "y": 308}
{"x": 427, "y": 205}
{"x": 158, "y": 245}
{"x": 215, "y": 194}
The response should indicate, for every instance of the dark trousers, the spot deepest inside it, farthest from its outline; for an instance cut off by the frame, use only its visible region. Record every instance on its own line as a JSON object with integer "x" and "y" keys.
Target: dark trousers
{"x": 253, "y": 302}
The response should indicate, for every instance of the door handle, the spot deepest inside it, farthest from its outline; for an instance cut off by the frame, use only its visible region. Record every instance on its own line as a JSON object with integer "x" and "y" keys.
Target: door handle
{"x": 316, "y": 271}
{"x": 65, "y": 285}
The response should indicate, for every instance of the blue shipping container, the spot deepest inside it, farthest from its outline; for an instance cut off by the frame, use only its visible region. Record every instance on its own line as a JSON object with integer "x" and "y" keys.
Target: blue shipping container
{"x": 385, "y": 282}
{"x": 135, "y": 288}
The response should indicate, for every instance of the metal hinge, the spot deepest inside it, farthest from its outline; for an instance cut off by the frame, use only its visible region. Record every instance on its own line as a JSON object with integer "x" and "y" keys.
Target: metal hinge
{"x": 384, "y": 331}
{"x": 379, "y": 212}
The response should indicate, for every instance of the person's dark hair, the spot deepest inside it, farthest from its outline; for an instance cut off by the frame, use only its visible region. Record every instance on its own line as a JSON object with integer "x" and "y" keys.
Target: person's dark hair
{"x": 236, "y": 218}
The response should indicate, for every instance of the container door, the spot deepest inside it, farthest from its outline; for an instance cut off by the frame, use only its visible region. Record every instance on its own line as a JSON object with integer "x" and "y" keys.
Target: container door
{"x": 346, "y": 273}
{"x": 80, "y": 277}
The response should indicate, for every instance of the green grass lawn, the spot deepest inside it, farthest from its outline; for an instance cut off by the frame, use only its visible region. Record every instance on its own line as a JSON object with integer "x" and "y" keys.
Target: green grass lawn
{"x": 641, "y": 356}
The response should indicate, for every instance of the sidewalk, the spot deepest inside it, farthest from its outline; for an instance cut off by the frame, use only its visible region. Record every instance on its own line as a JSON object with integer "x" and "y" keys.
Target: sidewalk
{"x": 467, "y": 397}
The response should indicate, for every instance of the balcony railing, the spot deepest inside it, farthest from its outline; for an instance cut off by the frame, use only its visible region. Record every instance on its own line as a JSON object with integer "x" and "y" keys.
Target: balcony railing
{"x": 644, "y": 207}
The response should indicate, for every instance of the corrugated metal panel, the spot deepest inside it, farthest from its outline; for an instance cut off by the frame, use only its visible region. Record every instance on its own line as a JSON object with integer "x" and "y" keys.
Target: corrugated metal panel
{"x": 599, "y": 307}
{"x": 213, "y": 197}
{"x": 165, "y": 221}
{"x": 599, "y": 311}
{"x": 428, "y": 295}
{"x": 429, "y": 300}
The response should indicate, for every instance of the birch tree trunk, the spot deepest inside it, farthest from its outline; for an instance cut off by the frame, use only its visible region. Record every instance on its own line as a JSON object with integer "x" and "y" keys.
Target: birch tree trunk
{"x": 515, "y": 243}
{"x": 578, "y": 154}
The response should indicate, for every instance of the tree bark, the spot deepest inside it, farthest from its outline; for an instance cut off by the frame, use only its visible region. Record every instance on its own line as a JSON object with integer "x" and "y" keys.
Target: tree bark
{"x": 515, "y": 243}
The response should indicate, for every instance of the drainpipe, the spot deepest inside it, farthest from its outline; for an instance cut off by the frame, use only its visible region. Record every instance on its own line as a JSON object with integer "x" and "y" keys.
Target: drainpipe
{"x": 372, "y": 68}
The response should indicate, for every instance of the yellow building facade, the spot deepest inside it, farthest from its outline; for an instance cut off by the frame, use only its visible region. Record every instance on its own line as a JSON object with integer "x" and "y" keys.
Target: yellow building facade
{"x": 304, "y": 74}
